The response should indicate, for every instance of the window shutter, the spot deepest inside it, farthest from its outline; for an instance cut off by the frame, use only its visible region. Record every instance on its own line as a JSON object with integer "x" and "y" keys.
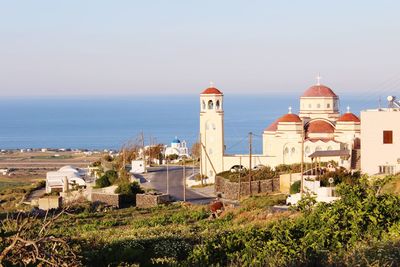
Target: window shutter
{"x": 388, "y": 137}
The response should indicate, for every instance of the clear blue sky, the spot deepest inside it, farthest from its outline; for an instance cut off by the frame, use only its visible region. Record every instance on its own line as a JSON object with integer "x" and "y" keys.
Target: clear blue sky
{"x": 79, "y": 47}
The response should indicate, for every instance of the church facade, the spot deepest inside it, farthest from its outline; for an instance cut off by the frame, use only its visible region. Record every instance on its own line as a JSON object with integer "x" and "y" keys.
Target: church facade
{"x": 327, "y": 134}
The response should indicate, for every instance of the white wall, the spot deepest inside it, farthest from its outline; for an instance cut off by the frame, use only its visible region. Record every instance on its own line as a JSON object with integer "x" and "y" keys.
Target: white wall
{"x": 373, "y": 152}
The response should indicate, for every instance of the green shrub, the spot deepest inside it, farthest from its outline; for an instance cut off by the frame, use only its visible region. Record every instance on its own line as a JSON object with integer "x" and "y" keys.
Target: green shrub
{"x": 129, "y": 189}
{"x": 102, "y": 182}
{"x": 295, "y": 187}
{"x": 112, "y": 176}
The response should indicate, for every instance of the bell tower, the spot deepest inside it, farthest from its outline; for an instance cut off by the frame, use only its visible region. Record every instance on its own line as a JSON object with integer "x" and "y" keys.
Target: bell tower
{"x": 211, "y": 131}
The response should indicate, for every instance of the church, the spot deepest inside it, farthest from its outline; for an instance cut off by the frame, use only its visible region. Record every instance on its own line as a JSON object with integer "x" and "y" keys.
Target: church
{"x": 318, "y": 132}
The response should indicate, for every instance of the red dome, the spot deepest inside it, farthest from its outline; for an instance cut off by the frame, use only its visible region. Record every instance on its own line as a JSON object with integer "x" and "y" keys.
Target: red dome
{"x": 350, "y": 117}
{"x": 285, "y": 118}
{"x": 320, "y": 127}
{"x": 211, "y": 91}
{"x": 319, "y": 91}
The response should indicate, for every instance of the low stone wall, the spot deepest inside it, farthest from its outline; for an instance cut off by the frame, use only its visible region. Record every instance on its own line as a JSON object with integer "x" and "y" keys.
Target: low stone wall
{"x": 231, "y": 189}
{"x": 49, "y": 202}
{"x": 109, "y": 199}
{"x": 151, "y": 200}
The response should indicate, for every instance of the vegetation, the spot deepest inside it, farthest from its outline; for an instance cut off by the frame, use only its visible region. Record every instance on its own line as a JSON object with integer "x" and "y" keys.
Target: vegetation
{"x": 129, "y": 189}
{"x": 102, "y": 182}
{"x": 295, "y": 187}
{"x": 263, "y": 173}
{"x": 360, "y": 229}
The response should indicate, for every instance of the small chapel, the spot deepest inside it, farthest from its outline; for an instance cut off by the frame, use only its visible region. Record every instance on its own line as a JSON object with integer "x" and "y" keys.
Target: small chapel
{"x": 317, "y": 132}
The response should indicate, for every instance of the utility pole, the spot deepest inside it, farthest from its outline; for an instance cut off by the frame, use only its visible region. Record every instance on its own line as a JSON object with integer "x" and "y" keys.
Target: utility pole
{"x": 240, "y": 178}
{"x": 167, "y": 176}
{"x": 184, "y": 181}
{"x": 250, "y": 156}
{"x": 302, "y": 159}
{"x": 201, "y": 160}
{"x": 144, "y": 153}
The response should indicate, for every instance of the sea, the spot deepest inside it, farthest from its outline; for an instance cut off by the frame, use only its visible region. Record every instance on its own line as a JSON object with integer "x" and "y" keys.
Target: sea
{"x": 110, "y": 122}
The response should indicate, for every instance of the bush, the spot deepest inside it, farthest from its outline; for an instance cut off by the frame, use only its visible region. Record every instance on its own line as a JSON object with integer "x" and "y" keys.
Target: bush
{"x": 295, "y": 187}
{"x": 102, "y": 182}
{"x": 112, "y": 176}
{"x": 129, "y": 189}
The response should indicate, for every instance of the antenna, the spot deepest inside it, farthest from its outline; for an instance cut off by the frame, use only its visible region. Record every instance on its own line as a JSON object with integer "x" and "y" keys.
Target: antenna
{"x": 393, "y": 102}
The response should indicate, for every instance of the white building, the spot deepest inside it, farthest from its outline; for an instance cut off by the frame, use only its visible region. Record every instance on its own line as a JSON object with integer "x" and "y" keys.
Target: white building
{"x": 380, "y": 141}
{"x": 319, "y": 120}
{"x": 178, "y": 148}
{"x": 55, "y": 180}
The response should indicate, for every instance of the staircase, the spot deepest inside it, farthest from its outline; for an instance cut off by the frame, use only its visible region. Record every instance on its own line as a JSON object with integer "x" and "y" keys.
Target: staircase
{"x": 356, "y": 159}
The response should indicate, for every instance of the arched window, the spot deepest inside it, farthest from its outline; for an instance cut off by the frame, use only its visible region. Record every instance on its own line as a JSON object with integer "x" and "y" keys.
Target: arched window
{"x": 213, "y": 126}
{"x": 309, "y": 105}
{"x": 318, "y": 105}
{"x": 328, "y": 105}
{"x": 318, "y": 148}
{"x": 293, "y": 151}
{"x": 204, "y": 105}
{"x": 286, "y": 151}
{"x": 210, "y": 104}
{"x": 217, "y": 105}
{"x": 307, "y": 150}
{"x": 329, "y": 148}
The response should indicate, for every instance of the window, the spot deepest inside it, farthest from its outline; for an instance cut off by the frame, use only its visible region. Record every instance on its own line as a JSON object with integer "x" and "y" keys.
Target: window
{"x": 388, "y": 137}
{"x": 292, "y": 151}
{"x": 286, "y": 151}
{"x": 318, "y": 148}
{"x": 210, "y": 104}
{"x": 387, "y": 169}
{"x": 328, "y": 105}
{"x": 309, "y": 105}
{"x": 204, "y": 105}
{"x": 308, "y": 150}
{"x": 217, "y": 104}
{"x": 318, "y": 105}
{"x": 329, "y": 148}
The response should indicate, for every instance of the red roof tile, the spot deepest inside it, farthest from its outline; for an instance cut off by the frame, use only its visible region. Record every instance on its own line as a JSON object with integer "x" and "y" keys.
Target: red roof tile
{"x": 211, "y": 91}
{"x": 349, "y": 117}
{"x": 320, "y": 127}
{"x": 319, "y": 91}
{"x": 285, "y": 118}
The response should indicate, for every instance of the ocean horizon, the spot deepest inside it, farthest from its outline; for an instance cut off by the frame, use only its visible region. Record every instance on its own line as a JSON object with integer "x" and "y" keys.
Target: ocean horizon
{"x": 104, "y": 122}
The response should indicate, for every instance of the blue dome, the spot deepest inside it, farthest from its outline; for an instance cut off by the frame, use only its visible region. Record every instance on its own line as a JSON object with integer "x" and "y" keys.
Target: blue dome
{"x": 176, "y": 141}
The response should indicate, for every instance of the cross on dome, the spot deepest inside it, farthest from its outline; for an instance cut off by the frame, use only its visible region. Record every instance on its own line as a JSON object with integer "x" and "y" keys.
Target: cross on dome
{"x": 348, "y": 109}
{"x": 319, "y": 79}
{"x": 290, "y": 110}
{"x": 212, "y": 84}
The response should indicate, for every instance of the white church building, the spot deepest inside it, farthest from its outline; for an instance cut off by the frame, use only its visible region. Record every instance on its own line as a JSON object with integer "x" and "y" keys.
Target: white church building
{"x": 178, "y": 148}
{"x": 328, "y": 135}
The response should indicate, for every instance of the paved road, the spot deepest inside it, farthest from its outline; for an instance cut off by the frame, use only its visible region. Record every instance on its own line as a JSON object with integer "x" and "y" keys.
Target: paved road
{"x": 157, "y": 179}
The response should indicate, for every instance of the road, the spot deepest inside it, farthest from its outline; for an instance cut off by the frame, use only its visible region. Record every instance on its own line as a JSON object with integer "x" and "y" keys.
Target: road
{"x": 157, "y": 179}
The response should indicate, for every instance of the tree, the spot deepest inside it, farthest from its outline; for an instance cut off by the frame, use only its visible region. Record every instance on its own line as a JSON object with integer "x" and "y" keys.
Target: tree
{"x": 196, "y": 151}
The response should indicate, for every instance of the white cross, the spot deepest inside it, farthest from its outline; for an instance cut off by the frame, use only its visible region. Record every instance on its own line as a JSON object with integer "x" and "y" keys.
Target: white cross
{"x": 348, "y": 109}
{"x": 212, "y": 84}
{"x": 290, "y": 110}
{"x": 319, "y": 79}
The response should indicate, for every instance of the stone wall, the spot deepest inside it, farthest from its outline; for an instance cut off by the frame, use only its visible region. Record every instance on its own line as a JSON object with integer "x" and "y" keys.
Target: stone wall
{"x": 109, "y": 199}
{"x": 151, "y": 200}
{"x": 49, "y": 202}
{"x": 231, "y": 189}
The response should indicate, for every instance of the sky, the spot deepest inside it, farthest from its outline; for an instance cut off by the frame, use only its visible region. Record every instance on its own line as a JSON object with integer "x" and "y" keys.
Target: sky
{"x": 167, "y": 47}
